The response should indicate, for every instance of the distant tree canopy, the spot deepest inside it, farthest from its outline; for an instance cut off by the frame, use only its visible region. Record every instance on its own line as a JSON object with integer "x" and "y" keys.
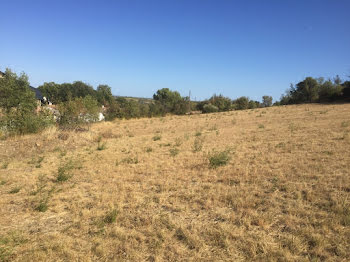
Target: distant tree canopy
{"x": 312, "y": 90}
{"x": 266, "y": 101}
{"x": 78, "y": 97}
{"x": 171, "y": 101}
{"x": 17, "y": 107}
{"x": 58, "y": 93}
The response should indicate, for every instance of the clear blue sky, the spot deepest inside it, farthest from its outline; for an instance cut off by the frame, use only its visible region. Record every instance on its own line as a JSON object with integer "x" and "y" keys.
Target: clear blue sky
{"x": 235, "y": 48}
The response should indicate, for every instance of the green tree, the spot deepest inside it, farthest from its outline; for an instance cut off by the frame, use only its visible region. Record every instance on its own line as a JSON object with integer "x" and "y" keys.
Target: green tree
{"x": 267, "y": 101}
{"x": 241, "y": 103}
{"x": 78, "y": 111}
{"x": 171, "y": 101}
{"x": 221, "y": 102}
{"x": 15, "y": 92}
{"x": 51, "y": 91}
{"x": 104, "y": 94}
{"x": 19, "y": 103}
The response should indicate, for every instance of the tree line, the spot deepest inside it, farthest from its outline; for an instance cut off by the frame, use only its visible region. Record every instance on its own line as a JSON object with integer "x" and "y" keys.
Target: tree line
{"x": 317, "y": 90}
{"x": 78, "y": 102}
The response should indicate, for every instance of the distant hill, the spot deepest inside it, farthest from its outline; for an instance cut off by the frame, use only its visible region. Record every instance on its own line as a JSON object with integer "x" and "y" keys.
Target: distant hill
{"x": 138, "y": 99}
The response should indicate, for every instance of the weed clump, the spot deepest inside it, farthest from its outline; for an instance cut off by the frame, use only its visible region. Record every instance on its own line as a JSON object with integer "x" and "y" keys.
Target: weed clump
{"x": 101, "y": 146}
{"x": 130, "y": 160}
{"x": 110, "y": 217}
{"x": 174, "y": 151}
{"x": 178, "y": 141}
{"x": 43, "y": 205}
{"x": 5, "y": 165}
{"x": 15, "y": 190}
{"x": 217, "y": 159}
{"x": 197, "y": 144}
{"x": 156, "y": 138}
{"x": 65, "y": 171}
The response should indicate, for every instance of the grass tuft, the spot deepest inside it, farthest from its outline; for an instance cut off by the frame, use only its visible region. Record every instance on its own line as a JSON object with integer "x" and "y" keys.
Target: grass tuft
{"x": 15, "y": 190}
{"x": 101, "y": 146}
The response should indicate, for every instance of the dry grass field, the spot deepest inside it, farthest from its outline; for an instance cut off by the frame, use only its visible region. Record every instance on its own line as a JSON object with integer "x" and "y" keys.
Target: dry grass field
{"x": 268, "y": 184}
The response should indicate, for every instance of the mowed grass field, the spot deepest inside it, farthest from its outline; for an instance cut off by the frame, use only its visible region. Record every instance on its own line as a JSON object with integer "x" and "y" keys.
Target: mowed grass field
{"x": 269, "y": 184}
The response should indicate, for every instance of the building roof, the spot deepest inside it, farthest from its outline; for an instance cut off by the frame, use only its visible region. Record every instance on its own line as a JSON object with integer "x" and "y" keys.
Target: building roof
{"x": 37, "y": 92}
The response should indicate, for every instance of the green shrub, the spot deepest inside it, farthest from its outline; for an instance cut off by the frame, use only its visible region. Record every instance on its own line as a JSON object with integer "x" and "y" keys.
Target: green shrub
{"x": 43, "y": 205}
{"x": 209, "y": 108}
{"x": 19, "y": 122}
{"x": 64, "y": 171}
{"x": 174, "y": 151}
{"x": 110, "y": 217}
{"x": 5, "y": 165}
{"x": 197, "y": 144}
{"x": 156, "y": 138}
{"x": 217, "y": 159}
{"x": 130, "y": 160}
{"x": 78, "y": 112}
{"x": 178, "y": 141}
{"x": 101, "y": 146}
{"x": 15, "y": 190}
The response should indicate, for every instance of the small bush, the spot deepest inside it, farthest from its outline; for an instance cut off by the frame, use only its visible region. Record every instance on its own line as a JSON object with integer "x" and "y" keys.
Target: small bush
{"x": 110, "y": 217}
{"x": 149, "y": 149}
{"x": 20, "y": 122}
{"x": 345, "y": 124}
{"x": 174, "y": 151}
{"x": 156, "y": 138}
{"x": 5, "y": 165}
{"x": 209, "y": 108}
{"x": 178, "y": 141}
{"x": 131, "y": 160}
{"x": 64, "y": 171}
{"x": 43, "y": 205}
{"x": 101, "y": 146}
{"x": 15, "y": 190}
{"x": 78, "y": 112}
{"x": 217, "y": 159}
{"x": 198, "y": 133}
{"x": 36, "y": 162}
{"x": 198, "y": 144}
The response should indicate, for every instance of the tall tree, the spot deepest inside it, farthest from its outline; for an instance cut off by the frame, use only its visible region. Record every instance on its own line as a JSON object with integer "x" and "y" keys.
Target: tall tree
{"x": 267, "y": 101}
{"x": 15, "y": 92}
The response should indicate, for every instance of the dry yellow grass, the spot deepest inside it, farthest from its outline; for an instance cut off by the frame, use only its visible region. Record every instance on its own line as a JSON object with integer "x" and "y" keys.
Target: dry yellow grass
{"x": 143, "y": 190}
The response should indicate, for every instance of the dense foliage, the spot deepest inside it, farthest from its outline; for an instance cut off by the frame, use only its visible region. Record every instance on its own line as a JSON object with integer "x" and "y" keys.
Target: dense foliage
{"x": 312, "y": 90}
{"x": 78, "y": 111}
{"x": 18, "y": 104}
{"x": 15, "y": 92}
{"x": 79, "y": 102}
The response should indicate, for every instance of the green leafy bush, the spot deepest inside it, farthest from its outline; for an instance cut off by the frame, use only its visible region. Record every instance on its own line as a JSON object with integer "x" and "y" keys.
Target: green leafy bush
{"x": 78, "y": 112}
{"x": 217, "y": 159}
{"x": 19, "y": 122}
{"x": 110, "y": 217}
{"x": 209, "y": 108}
